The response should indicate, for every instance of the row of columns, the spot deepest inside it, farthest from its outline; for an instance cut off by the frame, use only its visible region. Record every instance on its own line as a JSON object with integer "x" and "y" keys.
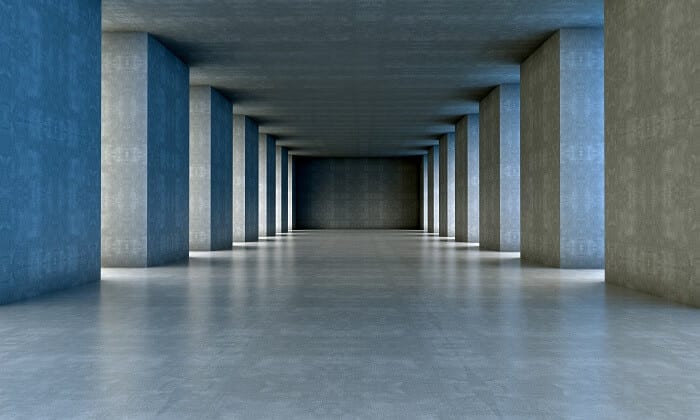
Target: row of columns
{"x": 165, "y": 192}
{"x": 526, "y": 174}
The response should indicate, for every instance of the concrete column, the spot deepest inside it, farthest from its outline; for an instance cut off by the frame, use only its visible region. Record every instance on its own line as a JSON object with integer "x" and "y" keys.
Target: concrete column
{"x": 652, "y": 147}
{"x": 423, "y": 176}
{"x": 433, "y": 189}
{"x": 499, "y": 169}
{"x": 266, "y": 185}
{"x": 447, "y": 185}
{"x": 49, "y": 147}
{"x": 562, "y": 184}
{"x": 145, "y": 152}
{"x": 245, "y": 179}
{"x": 282, "y": 216}
{"x": 467, "y": 179}
{"x": 211, "y": 153}
{"x": 290, "y": 192}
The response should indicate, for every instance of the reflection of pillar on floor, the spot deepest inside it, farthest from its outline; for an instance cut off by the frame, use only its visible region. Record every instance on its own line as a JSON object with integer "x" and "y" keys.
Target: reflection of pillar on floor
{"x": 423, "y": 176}
{"x": 467, "y": 179}
{"x": 499, "y": 169}
{"x": 433, "y": 189}
{"x": 281, "y": 190}
{"x": 145, "y": 152}
{"x": 211, "y": 154}
{"x": 561, "y": 149}
{"x": 447, "y": 185}
{"x": 266, "y": 182}
{"x": 49, "y": 147}
{"x": 245, "y": 179}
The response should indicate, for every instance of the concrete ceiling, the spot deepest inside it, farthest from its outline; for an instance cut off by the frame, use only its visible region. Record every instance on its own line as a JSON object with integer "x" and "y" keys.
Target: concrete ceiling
{"x": 352, "y": 77}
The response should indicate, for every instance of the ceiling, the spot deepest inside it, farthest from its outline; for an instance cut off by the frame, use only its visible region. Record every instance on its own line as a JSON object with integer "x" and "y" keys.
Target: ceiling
{"x": 352, "y": 77}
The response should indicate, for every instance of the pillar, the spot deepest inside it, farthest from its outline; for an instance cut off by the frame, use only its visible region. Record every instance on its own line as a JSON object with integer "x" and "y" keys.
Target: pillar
{"x": 145, "y": 152}
{"x": 433, "y": 189}
{"x": 211, "y": 130}
{"x": 652, "y": 147}
{"x": 290, "y": 192}
{"x": 499, "y": 169}
{"x": 50, "y": 153}
{"x": 562, "y": 184}
{"x": 282, "y": 187}
{"x": 245, "y": 179}
{"x": 467, "y": 179}
{"x": 423, "y": 176}
{"x": 447, "y": 185}
{"x": 266, "y": 185}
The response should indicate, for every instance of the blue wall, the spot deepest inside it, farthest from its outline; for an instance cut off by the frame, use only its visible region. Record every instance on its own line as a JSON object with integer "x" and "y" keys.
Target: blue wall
{"x": 221, "y": 170}
{"x": 49, "y": 146}
{"x": 168, "y": 156}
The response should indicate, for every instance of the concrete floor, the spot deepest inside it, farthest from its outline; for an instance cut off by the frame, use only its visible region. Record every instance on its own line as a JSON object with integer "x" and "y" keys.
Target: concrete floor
{"x": 349, "y": 324}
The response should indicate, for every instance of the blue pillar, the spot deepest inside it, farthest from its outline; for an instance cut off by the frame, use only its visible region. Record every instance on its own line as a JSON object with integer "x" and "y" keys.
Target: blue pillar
{"x": 499, "y": 169}
{"x": 50, "y": 153}
{"x": 433, "y": 189}
{"x": 281, "y": 189}
{"x": 467, "y": 179}
{"x": 562, "y": 147}
{"x": 145, "y": 152}
{"x": 266, "y": 182}
{"x": 423, "y": 176}
{"x": 245, "y": 179}
{"x": 447, "y": 185}
{"x": 211, "y": 154}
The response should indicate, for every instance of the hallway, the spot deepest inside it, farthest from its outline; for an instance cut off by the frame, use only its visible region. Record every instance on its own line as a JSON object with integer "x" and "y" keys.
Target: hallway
{"x": 349, "y": 324}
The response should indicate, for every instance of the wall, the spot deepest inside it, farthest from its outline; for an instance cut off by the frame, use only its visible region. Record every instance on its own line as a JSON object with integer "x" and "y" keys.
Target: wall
{"x": 50, "y": 152}
{"x": 347, "y": 193}
{"x": 652, "y": 151}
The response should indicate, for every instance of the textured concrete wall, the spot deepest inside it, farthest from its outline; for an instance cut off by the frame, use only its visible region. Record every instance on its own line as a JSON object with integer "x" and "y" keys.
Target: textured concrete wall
{"x": 433, "y": 189}
{"x": 291, "y": 199}
{"x": 145, "y": 152}
{"x": 424, "y": 192}
{"x": 50, "y": 153}
{"x": 245, "y": 179}
{"x": 266, "y": 185}
{"x": 281, "y": 185}
{"x": 211, "y": 155}
{"x": 346, "y": 193}
{"x": 652, "y": 151}
{"x": 562, "y": 151}
{"x": 467, "y": 179}
{"x": 499, "y": 169}
{"x": 447, "y": 185}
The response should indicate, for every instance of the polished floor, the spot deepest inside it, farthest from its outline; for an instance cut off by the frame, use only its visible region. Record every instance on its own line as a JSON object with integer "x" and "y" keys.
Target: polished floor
{"x": 349, "y": 324}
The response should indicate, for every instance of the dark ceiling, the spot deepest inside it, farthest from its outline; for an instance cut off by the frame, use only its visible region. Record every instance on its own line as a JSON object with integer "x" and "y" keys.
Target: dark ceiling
{"x": 352, "y": 77}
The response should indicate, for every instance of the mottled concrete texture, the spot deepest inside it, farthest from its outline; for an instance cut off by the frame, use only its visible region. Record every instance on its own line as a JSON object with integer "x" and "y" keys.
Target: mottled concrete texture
{"x": 245, "y": 179}
{"x": 424, "y": 192}
{"x": 49, "y": 146}
{"x": 211, "y": 155}
{"x": 347, "y": 193}
{"x": 467, "y": 179}
{"x": 145, "y": 152}
{"x": 562, "y": 208}
{"x": 281, "y": 185}
{"x": 291, "y": 198}
{"x": 447, "y": 185}
{"x": 652, "y": 147}
{"x": 433, "y": 189}
{"x": 499, "y": 169}
{"x": 266, "y": 185}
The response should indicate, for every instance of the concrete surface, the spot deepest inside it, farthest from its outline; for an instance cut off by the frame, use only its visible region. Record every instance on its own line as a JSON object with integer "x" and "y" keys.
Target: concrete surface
{"x": 467, "y": 179}
{"x": 267, "y": 177}
{"x": 652, "y": 151}
{"x": 499, "y": 169}
{"x": 561, "y": 151}
{"x": 291, "y": 198}
{"x": 145, "y": 152}
{"x": 245, "y": 179}
{"x": 296, "y": 328}
{"x": 433, "y": 189}
{"x": 355, "y": 193}
{"x": 49, "y": 147}
{"x": 447, "y": 185}
{"x": 282, "y": 184}
{"x": 424, "y": 192}
{"x": 211, "y": 156}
